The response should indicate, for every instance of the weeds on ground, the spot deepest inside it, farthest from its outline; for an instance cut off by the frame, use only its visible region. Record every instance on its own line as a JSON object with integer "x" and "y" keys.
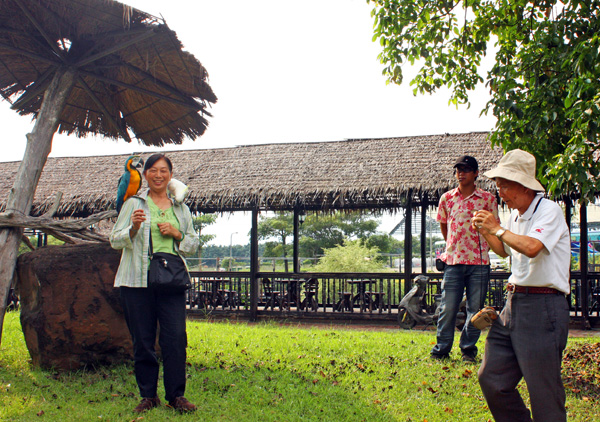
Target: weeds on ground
{"x": 581, "y": 371}
{"x": 267, "y": 372}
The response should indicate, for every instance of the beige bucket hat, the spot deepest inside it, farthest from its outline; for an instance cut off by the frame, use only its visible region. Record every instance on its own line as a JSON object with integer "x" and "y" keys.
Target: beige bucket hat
{"x": 519, "y": 166}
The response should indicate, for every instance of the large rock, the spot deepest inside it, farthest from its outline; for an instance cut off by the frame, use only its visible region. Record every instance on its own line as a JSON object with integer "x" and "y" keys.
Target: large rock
{"x": 70, "y": 312}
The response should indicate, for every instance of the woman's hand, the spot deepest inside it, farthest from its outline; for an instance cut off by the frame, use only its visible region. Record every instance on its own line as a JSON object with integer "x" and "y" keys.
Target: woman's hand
{"x": 137, "y": 218}
{"x": 166, "y": 229}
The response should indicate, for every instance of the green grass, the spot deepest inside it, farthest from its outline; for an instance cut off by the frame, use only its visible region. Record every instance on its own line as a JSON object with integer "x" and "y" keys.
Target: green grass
{"x": 267, "y": 372}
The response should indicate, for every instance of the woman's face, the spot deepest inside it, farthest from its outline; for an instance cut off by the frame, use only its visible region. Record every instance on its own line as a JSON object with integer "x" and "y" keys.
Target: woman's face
{"x": 158, "y": 176}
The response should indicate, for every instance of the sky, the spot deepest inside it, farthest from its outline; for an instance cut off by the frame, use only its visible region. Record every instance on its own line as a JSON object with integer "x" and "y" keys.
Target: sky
{"x": 283, "y": 71}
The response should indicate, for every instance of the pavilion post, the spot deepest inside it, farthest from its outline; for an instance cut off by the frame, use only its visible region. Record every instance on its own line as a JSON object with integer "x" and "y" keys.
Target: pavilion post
{"x": 254, "y": 266}
{"x": 424, "y": 205}
{"x": 296, "y": 268}
{"x": 408, "y": 243}
{"x": 583, "y": 260}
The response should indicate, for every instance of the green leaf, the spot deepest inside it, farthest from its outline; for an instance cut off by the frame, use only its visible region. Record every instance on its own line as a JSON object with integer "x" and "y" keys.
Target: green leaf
{"x": 544, "y": 82}
{"x": 568, "y": 102}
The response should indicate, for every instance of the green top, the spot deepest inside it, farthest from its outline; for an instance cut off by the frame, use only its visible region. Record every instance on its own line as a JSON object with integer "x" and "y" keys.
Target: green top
{"x": 133, "y": 269}
{"x": 162, "y": 243}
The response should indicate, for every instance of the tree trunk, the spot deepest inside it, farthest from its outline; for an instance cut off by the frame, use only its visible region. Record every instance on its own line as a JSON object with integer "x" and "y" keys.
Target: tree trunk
{"x": 20, "y": 197}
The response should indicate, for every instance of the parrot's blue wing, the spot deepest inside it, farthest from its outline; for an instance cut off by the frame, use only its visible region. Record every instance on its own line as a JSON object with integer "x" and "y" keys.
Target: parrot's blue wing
{"x": 121, "y": 190}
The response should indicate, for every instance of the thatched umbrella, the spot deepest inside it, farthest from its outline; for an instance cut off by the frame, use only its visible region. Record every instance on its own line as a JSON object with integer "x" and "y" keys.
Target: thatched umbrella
{"x": 91, "y": 66}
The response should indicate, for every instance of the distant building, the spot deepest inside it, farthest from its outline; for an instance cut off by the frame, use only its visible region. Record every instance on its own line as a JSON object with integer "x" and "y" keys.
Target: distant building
{"x": 432, "y": 226}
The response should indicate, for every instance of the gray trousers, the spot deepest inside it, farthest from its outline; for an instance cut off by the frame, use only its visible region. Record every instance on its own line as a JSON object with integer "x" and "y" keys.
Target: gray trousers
{"x": 526, "y": 341}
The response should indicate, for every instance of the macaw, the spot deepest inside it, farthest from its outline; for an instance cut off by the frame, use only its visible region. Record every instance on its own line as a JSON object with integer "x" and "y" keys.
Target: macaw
{"x": 131, "y": 181}
{"x": 178, "y": 190}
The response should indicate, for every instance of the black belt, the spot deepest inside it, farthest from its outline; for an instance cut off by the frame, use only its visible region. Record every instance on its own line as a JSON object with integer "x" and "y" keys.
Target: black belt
{"x": 533, "y": 290}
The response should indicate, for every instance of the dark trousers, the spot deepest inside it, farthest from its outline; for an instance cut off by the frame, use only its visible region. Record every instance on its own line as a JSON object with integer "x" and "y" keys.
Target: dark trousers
{"x": 145, "y": 308}
{"x": 526, "y": 341}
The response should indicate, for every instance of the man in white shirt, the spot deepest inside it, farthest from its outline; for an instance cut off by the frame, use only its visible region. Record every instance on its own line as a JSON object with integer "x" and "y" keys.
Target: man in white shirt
{"x": 529, "y": 336}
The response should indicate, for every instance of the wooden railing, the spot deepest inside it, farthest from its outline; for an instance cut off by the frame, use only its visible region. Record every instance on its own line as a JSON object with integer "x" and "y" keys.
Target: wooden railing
{"x": 342, "y": 295}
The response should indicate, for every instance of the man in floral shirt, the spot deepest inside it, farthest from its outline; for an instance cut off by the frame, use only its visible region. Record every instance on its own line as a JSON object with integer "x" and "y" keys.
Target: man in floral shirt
{"x": 466, "y": 258}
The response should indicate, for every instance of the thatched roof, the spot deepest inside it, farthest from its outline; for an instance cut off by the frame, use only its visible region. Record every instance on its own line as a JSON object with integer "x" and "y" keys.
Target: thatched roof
{"x": 133, "y": 75}
{"x": 352, "y": 174}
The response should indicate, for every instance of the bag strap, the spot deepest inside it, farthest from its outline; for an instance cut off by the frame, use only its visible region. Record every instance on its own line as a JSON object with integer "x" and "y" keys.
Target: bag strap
{"x": 150, "y": 248}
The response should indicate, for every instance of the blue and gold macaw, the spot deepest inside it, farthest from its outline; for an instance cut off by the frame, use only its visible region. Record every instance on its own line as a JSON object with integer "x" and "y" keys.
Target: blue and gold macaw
{"x": 131, "y": 181}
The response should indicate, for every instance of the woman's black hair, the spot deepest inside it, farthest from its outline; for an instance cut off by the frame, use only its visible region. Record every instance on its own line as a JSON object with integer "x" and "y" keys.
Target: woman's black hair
{"x": 156, "y": 157}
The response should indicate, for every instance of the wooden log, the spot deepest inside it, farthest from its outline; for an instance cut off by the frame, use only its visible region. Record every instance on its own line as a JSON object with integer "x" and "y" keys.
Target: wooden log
{"x": 65, "y": 230}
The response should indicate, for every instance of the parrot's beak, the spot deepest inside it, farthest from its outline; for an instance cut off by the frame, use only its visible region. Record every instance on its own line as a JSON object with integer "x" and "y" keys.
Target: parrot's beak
{"x": 139, "y": 162}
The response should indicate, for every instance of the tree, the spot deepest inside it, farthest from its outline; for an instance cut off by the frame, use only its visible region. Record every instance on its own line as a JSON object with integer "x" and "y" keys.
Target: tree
{"x": 544, "y": 84}
{"x": 39, "y": 143}
{"x": 279, "y": 227}
{"x": 320, "y": 232}
{"x": 213, "y": 251}
{"x": 200, "y": 222}
{"x": 384, "y": 243}
{"x": 275, "y": 249}
{"x": 353, "y": 256}
{"x": 317, "y": 233}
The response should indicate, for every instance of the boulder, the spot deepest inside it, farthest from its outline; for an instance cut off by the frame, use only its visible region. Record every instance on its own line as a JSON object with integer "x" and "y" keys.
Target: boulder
{"x": 70, "y": 312}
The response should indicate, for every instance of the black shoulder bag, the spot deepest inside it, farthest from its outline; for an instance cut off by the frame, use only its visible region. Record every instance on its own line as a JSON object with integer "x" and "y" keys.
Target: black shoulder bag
{"x": 167, "y": 272}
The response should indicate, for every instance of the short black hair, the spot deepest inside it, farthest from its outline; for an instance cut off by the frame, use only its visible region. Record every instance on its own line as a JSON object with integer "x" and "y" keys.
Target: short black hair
{"x": 156, "y": 157}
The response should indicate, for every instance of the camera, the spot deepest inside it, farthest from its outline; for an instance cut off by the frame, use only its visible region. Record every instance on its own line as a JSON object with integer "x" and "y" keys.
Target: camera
{"x": 484, "y": 318}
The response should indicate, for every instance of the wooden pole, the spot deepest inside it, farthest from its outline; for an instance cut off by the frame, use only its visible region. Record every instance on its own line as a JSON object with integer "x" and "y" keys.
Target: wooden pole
{"x": 20, "y": 197}
{"x": 254, "y": 266}
{"x": 424, "y": 204}
{"x": 408, "y": 243}
{"x": 296, "y": 268}
{"x": 583, "y": 261}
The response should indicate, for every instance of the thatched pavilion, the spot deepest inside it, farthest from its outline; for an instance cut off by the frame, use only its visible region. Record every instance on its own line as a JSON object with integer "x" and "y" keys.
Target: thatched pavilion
{"x": 352, "y": 174}
{"x": 387, "y": 173}
{"x": 373, "y": 174}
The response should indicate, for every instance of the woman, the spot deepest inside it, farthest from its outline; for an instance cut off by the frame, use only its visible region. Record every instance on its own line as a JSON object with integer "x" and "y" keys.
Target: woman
{"x": 153, "y": 213}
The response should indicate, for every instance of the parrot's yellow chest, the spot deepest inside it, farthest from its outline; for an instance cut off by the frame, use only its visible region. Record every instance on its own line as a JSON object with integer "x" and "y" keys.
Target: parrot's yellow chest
{"x": 135, "y": 182}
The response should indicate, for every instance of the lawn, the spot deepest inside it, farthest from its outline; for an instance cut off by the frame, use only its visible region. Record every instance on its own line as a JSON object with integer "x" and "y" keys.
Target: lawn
{"x": 271, "y": 372}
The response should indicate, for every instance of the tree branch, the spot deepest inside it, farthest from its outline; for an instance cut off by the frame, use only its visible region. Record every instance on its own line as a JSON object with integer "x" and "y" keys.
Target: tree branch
{"x": 69, "y": 231}
{"x": 27, "y": 242}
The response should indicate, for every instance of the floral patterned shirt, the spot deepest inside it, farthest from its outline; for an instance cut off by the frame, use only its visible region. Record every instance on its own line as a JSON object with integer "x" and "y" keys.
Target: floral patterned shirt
{"x": 462, "y": 241}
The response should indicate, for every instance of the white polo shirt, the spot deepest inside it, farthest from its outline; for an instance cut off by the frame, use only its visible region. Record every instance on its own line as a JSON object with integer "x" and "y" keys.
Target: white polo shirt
{"x": 543, "y": 220}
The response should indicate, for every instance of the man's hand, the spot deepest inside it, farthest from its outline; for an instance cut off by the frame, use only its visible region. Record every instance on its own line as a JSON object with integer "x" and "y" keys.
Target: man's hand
{"x": 485, "y": 221}
{"x": 486, "y": 224}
